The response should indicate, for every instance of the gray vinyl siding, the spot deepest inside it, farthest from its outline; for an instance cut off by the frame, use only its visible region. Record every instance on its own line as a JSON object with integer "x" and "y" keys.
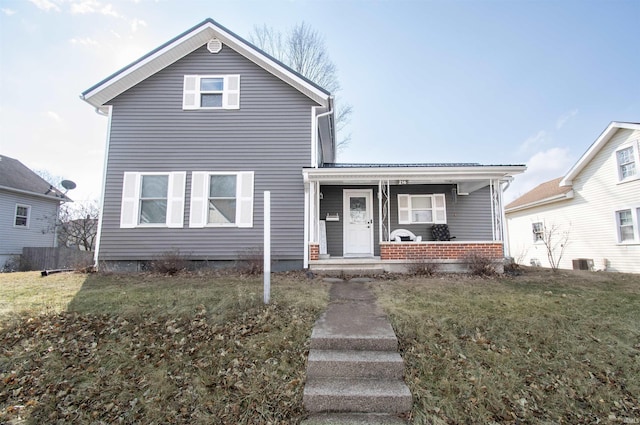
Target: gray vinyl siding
{"x": 40, "y": 231}
{"x": 269, "y": 134}
{"x": 469, "y": 218}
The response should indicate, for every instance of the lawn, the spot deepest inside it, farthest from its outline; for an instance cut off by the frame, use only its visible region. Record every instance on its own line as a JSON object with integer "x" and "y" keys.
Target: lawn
{"x": 542, "y": 347}
{"x": 197, "y": 349}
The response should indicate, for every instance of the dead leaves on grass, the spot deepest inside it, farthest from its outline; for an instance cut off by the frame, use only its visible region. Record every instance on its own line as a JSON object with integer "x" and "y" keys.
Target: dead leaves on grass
{"x": 80, "y": 368}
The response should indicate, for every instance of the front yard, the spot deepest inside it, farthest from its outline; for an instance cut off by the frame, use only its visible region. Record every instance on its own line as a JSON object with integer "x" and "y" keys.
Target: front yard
{"x": 538, "y": 348}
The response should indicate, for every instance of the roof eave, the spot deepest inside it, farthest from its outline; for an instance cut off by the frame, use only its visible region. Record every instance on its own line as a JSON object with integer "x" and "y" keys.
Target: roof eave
{"x": 545, "y": 201}
{"x": 444, "y": 174}
{"x": 181, "y": 46}
{"x": 64, "y": 198}
{"x": 595, "y": 148}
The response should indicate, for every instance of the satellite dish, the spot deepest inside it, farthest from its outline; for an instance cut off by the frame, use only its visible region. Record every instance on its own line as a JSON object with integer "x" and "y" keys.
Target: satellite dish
{"x": 68, "y": 184}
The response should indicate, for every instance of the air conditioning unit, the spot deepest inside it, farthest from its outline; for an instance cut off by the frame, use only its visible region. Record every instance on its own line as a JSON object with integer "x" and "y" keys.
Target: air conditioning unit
{"x": 582, "y": 264}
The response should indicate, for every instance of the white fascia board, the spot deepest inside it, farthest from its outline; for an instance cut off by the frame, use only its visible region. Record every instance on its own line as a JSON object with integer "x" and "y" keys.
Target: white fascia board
{"x": 139, "y": 71}
{"x": 437, "y": 174}
{"x": 549, "y": 200}
{"x": 36, "y": 195}
{"x": 594, "y": 149}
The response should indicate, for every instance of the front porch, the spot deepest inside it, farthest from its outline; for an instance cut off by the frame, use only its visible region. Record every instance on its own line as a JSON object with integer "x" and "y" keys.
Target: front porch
{"x": 401, "y": 257}
{"x": 354, "y": 215}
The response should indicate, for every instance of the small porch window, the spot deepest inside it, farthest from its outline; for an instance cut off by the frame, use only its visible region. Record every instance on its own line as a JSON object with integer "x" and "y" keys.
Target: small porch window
{"x": 422, "y": 209}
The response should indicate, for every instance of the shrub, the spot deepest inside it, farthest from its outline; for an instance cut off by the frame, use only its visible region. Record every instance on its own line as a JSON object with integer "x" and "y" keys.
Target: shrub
{"x": 422, "y": 268}
{"x": 169, "y": 263}
{"x": 251, "y": 261}
{"x": 480, "y": 265}
{"x": 16, "y": 263}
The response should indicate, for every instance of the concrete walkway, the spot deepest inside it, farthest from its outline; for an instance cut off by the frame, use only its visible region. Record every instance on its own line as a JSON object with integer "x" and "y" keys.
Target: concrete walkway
{"x": 354, "y": 372}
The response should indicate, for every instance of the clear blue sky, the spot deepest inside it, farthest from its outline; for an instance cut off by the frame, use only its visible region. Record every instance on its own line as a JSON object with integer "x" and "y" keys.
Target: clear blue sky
{"x": 495, "y": 82}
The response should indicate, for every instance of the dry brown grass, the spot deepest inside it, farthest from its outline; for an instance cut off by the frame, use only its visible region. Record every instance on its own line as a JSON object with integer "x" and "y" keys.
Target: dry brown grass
{"x": 156, "y": 349}
{"x": 542, "y": 347}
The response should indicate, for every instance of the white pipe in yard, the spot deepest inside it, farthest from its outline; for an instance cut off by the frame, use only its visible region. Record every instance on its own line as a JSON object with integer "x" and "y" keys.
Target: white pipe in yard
{"x": 267, "y": 246}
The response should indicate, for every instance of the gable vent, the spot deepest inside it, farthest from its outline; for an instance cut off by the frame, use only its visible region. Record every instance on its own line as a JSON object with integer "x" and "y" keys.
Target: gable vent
{"x": 214, "y": 45}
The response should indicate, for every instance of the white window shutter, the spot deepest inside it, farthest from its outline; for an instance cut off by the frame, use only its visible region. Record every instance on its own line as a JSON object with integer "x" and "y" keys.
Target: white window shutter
{"x": 403, "y": 209}
{"x": 175, "y": 199}
{"x": 439, "y": 208}
{"x": 130, "y": 198}
{"x": 190, "y": 92}
{"x": 197, "y": 211}
{"x": 244, "y": 203}
{"x": 231, "y": 97}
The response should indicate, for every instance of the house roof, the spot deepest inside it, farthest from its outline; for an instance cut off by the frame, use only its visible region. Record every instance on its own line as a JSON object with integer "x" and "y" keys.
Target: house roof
{"x": 544, "y": 193}
{"x": 185, "y": 43}
{"x": 16, "y": 177}
{"x": 595, "y": 148}
{"x": 468, "y": 176}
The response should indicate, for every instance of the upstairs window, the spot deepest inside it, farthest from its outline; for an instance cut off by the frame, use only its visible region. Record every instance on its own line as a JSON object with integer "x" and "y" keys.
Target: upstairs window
{"x": 627, "y": 162}
{"x": 22, "y": 215}
{"x": 211, "y": 92}
{"x": 422, "y": 209}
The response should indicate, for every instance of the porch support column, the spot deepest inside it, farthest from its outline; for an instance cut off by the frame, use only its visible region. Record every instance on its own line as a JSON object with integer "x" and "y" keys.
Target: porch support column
{"x": 497, "y": 213}
{"x": 306, "y": 226}
{"x": 380, "y": 236}
{"x": 313, "y": 221}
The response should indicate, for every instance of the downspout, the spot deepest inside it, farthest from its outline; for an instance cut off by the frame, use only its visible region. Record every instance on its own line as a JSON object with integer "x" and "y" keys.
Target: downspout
{"x": 104, "y": 184}
{"x": 505, "y": 231}
{"x": 315, "y": 147}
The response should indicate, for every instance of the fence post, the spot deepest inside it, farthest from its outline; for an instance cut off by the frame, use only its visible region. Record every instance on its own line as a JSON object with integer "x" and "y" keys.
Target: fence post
{"x": 267, "y": 246}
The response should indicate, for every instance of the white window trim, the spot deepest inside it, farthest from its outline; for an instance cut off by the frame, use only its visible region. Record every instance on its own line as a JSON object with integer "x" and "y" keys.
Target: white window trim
{"x": 635, "y": 144}
{"x": 535, "y": 240}
{"x": 635, "y": 217}
{"x": 130, "y": 206}
{"x": 15, "y": 215}
{"x": 191, "y": 92}
{"x": 434, "y": 209}
{"x": 199, "y": 207}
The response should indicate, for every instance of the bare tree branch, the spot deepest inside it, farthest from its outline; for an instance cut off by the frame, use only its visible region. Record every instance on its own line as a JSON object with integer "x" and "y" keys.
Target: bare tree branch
{"x": 303, "y": 49}
{"x": 78, "y": 225}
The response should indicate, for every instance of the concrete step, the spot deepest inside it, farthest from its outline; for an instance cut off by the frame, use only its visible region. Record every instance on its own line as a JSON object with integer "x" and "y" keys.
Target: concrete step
{"x": 353, "y": 419}
{"x": 356, "y": 395}
{"x": 349, "y": 325}
{"x": 355, "y": 364}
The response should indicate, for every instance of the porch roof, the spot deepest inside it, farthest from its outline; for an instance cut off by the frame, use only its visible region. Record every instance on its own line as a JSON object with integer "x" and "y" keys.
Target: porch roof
{"x": 428, "y": 173}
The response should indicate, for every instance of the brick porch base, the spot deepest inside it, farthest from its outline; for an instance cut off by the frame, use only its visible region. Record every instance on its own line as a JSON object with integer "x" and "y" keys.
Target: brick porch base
{"x": 439, "y": 250}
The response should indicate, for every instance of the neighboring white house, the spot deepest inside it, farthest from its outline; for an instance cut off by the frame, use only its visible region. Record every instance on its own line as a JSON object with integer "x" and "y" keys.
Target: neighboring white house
{"x": 28, "y": 209}
{"x": 596, "y": 205}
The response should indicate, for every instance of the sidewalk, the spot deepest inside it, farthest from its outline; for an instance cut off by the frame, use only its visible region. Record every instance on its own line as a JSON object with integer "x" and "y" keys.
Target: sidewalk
{"x": 354, "y": 373}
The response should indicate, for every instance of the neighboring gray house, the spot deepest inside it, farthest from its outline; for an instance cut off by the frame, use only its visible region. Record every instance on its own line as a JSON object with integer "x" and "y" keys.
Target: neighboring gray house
{"x": 200, "y": 127}
{"x": 28, "y": 209}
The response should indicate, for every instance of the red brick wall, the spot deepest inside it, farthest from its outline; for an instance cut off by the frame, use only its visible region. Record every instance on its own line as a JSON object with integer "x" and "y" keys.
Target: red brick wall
{"x": 438, "y": 250}
{"x": 314, "y": 251}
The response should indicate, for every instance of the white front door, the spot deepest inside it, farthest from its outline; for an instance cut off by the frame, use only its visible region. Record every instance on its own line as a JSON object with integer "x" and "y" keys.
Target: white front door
{"x": 358, "y": 223}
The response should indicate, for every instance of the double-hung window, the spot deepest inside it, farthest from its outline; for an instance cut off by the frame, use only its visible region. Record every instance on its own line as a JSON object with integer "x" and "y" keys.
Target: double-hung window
{"x": 419, "y": 209}
{"x": 221, "y": 199}
{"x": 628, "y": 162}
{"x": 627, "y": 225}
{"x": 211, "y": 92}
{"x": 23, "y": 213}
{"x": 154, "y": 199}
{"x": 538, "y": 231}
